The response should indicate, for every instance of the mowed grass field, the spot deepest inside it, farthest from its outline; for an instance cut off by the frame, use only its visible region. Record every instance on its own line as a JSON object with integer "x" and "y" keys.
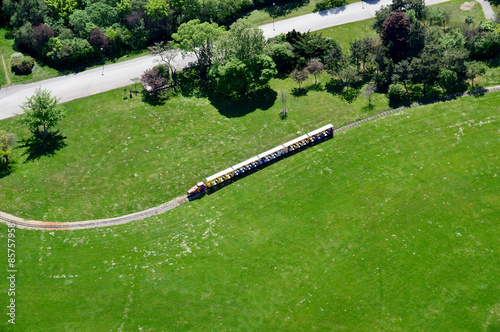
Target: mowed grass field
{"x": 123, "y": 156}
{"x": 391, "y": 225}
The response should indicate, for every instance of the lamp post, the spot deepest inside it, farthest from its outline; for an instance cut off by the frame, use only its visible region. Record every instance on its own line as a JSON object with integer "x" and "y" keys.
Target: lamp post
{"x": 102, "y": 56}
{"x": 274, "y": 12}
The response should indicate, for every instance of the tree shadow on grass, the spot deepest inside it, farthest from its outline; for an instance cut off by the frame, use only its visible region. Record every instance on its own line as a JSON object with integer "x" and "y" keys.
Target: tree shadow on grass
{"x": 38, "y": 145}
{"x": 262, "y": 99}
{"x": 7, "y": 168}
{"x": 303, "y": 91}
{"x": 282, "y": 8}
{"x": 336, "y": 87}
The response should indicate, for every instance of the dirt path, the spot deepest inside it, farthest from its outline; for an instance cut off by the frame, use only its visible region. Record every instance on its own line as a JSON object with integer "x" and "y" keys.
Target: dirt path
{"x": 5, "y": 70}
{"x": 51, "y": 226}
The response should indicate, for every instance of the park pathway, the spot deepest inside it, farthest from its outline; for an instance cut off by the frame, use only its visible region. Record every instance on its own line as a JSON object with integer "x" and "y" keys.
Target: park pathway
{"x": 52, "y": 226}
{"x": 5, "y": 71}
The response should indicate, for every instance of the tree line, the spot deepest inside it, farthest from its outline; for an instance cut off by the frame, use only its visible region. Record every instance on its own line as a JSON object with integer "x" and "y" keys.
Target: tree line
{"x": 68, "y": 33}
{"x": 417, "y": 54}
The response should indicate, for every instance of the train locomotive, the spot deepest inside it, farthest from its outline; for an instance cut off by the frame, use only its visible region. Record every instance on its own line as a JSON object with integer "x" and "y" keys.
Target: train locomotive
{"x": 263, "y": 158}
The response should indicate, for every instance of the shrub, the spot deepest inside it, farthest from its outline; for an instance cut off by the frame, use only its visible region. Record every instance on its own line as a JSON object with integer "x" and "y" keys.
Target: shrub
{"x": 396, "y": 92}
{"x": 22, "y": 66}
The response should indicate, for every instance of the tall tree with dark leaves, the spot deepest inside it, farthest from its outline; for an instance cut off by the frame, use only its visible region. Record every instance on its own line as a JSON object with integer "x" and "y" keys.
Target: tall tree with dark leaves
{"x": 395, "y": 35}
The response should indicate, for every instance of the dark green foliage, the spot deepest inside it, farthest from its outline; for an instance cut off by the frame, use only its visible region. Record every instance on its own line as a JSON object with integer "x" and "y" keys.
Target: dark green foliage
{"x": 24, "y": 38}
{"x": 25, "y": 11}
{"x": 22, "y": 66}
{"x": 327, "y": 4}
{"x": 282, "y": 55}
{"x": 416, "y": 39}
{"x": 236, "y": 78}
{"x": 310, "y": 45}
{"x": 102, "y": 15}
{"x": 380, "y": 16}
{"x": 361, "y": 50}
{"x": 417, "y": 6}
{"x": 485, "y": 46}
{"x": 437, "y": 16}
{"x": 397, "y": 93}
{"x": 68, "y": 52}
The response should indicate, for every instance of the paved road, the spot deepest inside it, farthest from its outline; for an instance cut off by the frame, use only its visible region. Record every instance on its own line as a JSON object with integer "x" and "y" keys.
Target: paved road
{"x": 117, "y": 75}
{"x": 487, "y": 10}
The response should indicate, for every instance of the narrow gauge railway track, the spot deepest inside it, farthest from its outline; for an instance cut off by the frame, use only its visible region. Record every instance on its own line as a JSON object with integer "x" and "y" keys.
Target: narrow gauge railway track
{"x": 51, "y": 226}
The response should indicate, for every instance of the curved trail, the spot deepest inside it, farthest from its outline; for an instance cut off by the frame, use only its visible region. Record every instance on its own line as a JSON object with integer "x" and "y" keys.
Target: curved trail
{"x": 51, "y": 226}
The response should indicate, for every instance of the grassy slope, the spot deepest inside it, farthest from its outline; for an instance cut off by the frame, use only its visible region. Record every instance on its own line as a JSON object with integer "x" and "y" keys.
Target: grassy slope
{"x": 391, "y": 225}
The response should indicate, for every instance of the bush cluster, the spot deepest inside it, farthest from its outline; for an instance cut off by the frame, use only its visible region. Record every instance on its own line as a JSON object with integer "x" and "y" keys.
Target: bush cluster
{"x": 23, "y": 65}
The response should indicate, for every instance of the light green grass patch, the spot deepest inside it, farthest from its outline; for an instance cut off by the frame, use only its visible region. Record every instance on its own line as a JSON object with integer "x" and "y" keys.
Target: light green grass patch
{"x": 347, "y": 33}
{"x": 125, "y": 155}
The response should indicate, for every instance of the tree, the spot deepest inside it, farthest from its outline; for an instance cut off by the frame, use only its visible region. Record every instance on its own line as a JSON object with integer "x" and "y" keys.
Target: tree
{"x": 166, "y": 56}
{"x": 380, "y": 16}
{"x": 447, "y": 79}
{"x": 101, "y": 14}
{"x": 369, "y": 92}
{"x": 41, "y": 111}
{"x": 299, "y": 75}
{"x": 241, "y": 66}
{"x": 348, "y": 75}
{"x": 361, "y": 50}
{"x": 24, "y": 38}
{"x": 198, "y": 38}
{"x": 474, "y": 69}
{"x": 417, "y": 6}
{"x": 402, "y": 73}
{"x": 27, "y": 11}
{"x": 334, "y": 60}
{"x": 395, "y": 33}
{"x": 242, "y": 41}
{"x": 282, "y": 55}
{"x": 157, "y": 9}
{"x": 97, "y": 39}
{"x": 235, "y": 78}
{"x": 7, "y": 142}
{"x": 437, "y": 16}
{"x": 41, "y": 34}
{"x": 315, "y": 67}
{"x": 62, "y": 8}
{"x": 416, "y": 39}
{"x": 310, "y": 45}
{"x": 153, "y": 81}
{"x": 283, "y": 97}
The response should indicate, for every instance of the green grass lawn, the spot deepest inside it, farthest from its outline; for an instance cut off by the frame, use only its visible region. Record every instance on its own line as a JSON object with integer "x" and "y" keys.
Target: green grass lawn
{"x": 391, "y": 225}
{"x": 345, "y": 34}
{"x": 457, "y": 15}
{"x": 128, "y": 155}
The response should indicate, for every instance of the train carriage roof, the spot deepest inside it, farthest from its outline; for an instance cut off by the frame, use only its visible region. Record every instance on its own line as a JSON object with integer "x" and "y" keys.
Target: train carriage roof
{"x": 317, "y": 131}
{"x": 268, "y": 152}
{"x": 298, "y": 139}
{"x": 218, "y": 175}
{"x": 246, "y": 162}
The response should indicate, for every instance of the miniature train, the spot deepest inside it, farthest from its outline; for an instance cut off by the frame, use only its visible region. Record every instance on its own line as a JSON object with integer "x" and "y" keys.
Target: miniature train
{"x": 261, "y": 159}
